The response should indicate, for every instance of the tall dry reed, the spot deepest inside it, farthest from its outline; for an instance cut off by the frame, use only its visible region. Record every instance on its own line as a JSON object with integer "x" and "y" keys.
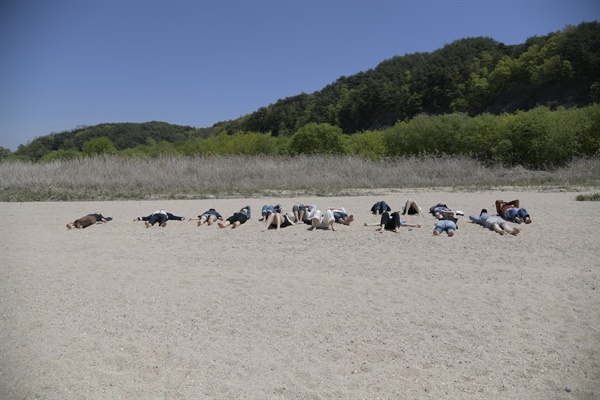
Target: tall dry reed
{"x": 113, "y": 177}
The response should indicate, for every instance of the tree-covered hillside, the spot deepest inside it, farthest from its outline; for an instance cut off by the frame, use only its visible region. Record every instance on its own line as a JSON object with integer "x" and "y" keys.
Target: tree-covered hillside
{"x": 471, "y": 77}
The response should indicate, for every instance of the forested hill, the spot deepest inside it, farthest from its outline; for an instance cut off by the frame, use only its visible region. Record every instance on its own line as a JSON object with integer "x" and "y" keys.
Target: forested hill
{"x": 469, "y": 76}
{"x": 472, "y": 76}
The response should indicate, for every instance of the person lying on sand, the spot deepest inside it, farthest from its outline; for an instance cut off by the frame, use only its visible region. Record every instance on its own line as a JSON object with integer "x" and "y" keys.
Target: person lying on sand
{"x": 380, "y": 207}
{"x": 319, "y": 220}
{"x": 238, "y": 218}
{"x": 341, "y": 216}
{"x": 446, "y": 224}
{"x": 494, "y": 222}
{"x": 160, "y": 216}
{"x": 391, "y": 222}
{"x": 88, "y": 220}
{"x": 209, "y": 217}
{"x": 279, "y": 220}
{"x": 411, "y": 208}
{"x": 511, "y": 211}
{"x": 300, "y": 214}
{"x": 440, "y": 211}
{"x": 268, "y": 210}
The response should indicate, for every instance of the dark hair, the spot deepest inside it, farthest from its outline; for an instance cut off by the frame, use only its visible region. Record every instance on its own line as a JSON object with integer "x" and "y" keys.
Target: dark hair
{"x": 483, "y": 211}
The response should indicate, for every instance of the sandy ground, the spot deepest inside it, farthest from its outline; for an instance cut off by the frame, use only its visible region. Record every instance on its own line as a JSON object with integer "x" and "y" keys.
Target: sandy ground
{"x": 118, "y": 311}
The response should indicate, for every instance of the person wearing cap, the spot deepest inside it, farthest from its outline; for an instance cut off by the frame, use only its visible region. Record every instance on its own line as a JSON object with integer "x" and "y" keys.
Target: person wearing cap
{"x": 238, "y": 218}
{"x": 494, "y": 222}
{"x": 209, "y": 217}
{"x": 511, "y": 211}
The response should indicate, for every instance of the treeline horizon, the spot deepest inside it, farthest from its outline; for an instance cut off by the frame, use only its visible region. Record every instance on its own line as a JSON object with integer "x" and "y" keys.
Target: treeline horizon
{"x": 476, "y": 79}
{"x": 537, "y": 139}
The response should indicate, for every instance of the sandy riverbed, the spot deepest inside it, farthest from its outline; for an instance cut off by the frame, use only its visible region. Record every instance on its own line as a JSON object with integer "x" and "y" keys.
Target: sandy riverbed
{"x": 118, "y": 311}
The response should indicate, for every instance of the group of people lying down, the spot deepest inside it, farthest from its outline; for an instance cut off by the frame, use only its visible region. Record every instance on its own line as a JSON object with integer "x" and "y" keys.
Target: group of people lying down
{"x": 274, "y": 217}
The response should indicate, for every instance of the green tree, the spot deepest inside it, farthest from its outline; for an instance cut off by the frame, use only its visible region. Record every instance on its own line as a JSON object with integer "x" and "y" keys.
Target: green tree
{"x": 61, "y": 155}
{"x": 317, "y": 139}
{"x": 101, "y": 145}
{"x": 4, "y": 152}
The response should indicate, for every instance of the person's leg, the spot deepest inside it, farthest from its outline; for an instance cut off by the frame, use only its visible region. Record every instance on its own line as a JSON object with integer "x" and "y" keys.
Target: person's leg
{"x": 407, "y": 207}
{"x": 348, "y": 219}
{"x": 450, "y": 228}
{"x": 414, "y": 208}
{"x": 316, "y": 219}
{"x": 508, "y": 229}
{"x": 329, "y": 219}
{"x": 270, "y": 219}
{"x": 266, "y": 209}
{"x": 523, "y": 215}
{"x": 493, "y": 223}
{"x": 203, "y": 219}
{"x": 240, "y": 219}
{"x": 296, "y": 211}
{"x": 162, "y": 220}
{"x": 278, "y": 219}
{"x": 227, "y": 222}
{"x": 210, "y": 220}
{"x": 385, "y": 221}
{"x": 496, "y": 228}
{"x": 395, "y": 221}
{"x": 152, "y": 220}
{"x": 439, "y": 228}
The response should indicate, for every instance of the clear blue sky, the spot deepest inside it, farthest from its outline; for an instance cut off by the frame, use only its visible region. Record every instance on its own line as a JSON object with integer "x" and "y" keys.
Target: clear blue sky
{"x": 65, "y": 64}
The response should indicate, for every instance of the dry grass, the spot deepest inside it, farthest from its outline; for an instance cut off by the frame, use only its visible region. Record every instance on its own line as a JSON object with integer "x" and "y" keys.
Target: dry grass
{"x": 116, "y": 178}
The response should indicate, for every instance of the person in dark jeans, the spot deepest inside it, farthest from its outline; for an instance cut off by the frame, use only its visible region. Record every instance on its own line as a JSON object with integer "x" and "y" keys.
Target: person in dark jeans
{"x": 391, "y": 222}
{"x": 510, "y": 211}
{"x": 380, "y": 207}
{"x": 159, "y": 216}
